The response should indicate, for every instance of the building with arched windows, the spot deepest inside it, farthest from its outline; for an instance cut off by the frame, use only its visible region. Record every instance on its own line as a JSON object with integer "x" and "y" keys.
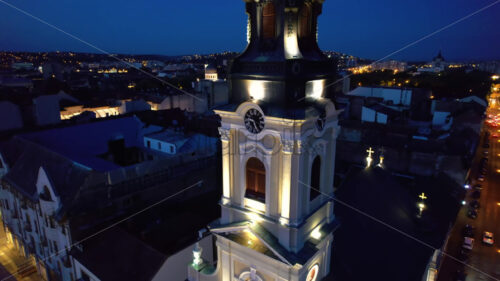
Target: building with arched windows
{"x": 278, "y": 138}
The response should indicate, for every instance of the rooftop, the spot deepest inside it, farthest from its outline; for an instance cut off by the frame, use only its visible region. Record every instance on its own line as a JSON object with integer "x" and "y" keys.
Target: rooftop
{"x": 83, "y": 144}
{"x": 390, "y": 199}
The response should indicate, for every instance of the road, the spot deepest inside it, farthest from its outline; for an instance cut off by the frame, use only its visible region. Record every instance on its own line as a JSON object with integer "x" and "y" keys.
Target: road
{"x": 484, "y": 260}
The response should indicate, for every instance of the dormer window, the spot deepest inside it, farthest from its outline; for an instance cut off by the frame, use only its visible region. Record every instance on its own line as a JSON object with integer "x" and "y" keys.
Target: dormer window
{"x": 269, "y": 21}
{"x": 45, "y": 195}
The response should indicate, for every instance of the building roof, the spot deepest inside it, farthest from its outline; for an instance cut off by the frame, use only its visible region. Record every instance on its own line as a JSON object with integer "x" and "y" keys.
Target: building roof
{"x": 266, "y": 243}
{"x": 475, "y": 99}
{"x": 117, "y": 255}
{"x": 383, "y": 240}
{"x": 211, "y": 69}
{"x": 26, "y": 158}
{"x": 439, "y": 56}
{"x": 70, "y": 158}
{"x": 385, "y": 110}
{"x": 138, "y": 249}
{"x": 83, "y": 143}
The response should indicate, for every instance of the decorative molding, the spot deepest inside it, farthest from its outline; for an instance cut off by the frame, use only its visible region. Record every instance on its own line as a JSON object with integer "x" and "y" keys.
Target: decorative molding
{"x": 225, "y": 134}
{"x": 287, "y": 145}
{"x": 318, "y": 148}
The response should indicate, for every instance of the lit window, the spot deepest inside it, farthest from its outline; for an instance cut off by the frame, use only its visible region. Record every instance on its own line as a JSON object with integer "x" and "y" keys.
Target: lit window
{"x": 305, "y": 21}
{"x": 269, "y": 21}
{"x": 255, "y": 180}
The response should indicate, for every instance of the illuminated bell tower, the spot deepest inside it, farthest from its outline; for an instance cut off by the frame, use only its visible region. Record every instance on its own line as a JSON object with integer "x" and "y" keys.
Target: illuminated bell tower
{"x": 278, "y": 149}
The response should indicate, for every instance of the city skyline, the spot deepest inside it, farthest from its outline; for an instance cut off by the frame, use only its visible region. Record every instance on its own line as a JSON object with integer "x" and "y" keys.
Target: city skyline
{"x": 187, "y": 28}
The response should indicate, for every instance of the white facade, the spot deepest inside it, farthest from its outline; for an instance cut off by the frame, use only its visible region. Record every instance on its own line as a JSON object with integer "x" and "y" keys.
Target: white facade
{"x": 191, "y": 103}
{"x": 34, "y": 230}
{"x": 442, "y": 120}
{"x": 370, "y": 115}
{"x": 396, "y": 96}
{"x": 160, "y": 145}
{"x": 288, "y": 150}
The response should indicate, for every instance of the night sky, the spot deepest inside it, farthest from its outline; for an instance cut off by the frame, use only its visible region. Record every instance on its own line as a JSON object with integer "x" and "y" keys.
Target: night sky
{"x": 364, "y": 28}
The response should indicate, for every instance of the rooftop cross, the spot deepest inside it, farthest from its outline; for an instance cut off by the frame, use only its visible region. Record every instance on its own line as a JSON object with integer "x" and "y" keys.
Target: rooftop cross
{"x": 370, "y": 152}
{"x": 422, "y": 196}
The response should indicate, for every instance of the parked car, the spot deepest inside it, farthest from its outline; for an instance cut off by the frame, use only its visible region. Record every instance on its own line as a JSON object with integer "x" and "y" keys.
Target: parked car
{"x": 480, "y": 178}
{"x": 468, "y": 230}
{"x": 472, "y": 213}
{"x": 468, "y": 243}
{"x": 488, "y": 238}
{"x": 478, "y": 187}
{"x": 476, "y": 194}
{"x": 474, "y": 204}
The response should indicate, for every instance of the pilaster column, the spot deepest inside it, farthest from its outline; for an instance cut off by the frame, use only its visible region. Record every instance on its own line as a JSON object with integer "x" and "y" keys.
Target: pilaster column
{"x": 225, "y": 136}
{"x": 286, "y": 163}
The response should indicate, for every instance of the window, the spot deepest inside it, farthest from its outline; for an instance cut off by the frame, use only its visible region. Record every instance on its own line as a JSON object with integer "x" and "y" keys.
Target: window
{"x": 148, "y": 143}
{"x": 255, "y": 180}
{"x": 269, "y": 21}
{"x": 315, "y": 178}
{"x": 305, "y": 21}
{"x": 159, "y": 145}
{"x": 45, "y": 195}
{"x": 55, "y": 246}
{"x": 171, "y": 149}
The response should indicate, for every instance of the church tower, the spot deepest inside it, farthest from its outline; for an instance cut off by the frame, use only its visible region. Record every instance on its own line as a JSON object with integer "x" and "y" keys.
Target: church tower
{"x": 278, "y": 152}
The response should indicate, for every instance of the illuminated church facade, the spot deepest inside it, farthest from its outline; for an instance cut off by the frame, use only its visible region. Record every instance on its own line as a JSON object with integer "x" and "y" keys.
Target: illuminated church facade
{"x": 278, "y": 152}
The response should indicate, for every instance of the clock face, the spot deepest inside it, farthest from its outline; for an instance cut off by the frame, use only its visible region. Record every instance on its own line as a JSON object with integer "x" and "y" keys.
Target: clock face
{"x": 254, "y": 121}
{"x": 312, "y": 275}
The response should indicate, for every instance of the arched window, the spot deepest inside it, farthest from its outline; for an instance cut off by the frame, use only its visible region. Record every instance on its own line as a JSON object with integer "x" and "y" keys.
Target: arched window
{"x": 256, "y": 180}
{"x": 305, "y": 21}
{"x": 315, "y": 178}
{"x": 269, "y": 21}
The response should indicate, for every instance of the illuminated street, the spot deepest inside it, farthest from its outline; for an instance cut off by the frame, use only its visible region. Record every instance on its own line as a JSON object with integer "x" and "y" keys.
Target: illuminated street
{"x": 483, "y": 257}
